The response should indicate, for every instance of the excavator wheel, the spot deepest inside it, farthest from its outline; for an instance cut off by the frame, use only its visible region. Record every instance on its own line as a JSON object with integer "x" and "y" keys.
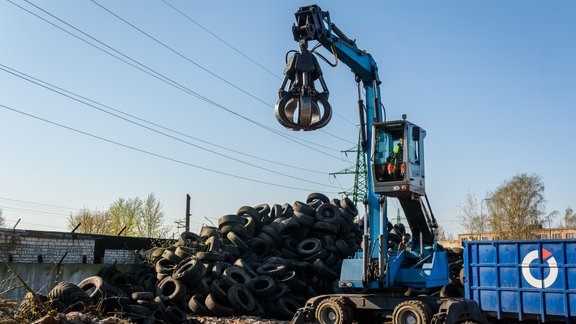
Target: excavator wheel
{"x": 333, "y": 311}
{"x": 412, "y": 312}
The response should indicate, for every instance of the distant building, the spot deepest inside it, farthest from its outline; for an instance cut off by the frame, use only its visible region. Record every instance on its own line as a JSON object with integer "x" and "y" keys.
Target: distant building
{"x": 551, "y": 233}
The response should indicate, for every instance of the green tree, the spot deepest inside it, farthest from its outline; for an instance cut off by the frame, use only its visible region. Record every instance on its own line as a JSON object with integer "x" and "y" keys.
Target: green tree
{"x": 516, "y": 208}
{"x": 124, "y": 215}
{"x": 131, "y": 216}
{"x": 94, "y": 222}
{"x": 151, "y": 217}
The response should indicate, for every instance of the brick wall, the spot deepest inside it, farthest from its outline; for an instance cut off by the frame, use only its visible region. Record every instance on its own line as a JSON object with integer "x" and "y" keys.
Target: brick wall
{"x": 24, "y": 246}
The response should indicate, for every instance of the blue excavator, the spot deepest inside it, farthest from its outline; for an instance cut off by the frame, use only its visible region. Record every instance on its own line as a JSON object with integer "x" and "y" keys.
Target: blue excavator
{"x": 389, "y": 277}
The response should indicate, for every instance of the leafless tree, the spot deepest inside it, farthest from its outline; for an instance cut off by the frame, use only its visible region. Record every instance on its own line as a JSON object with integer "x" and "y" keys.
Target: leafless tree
{"x": 569, "y": 218}
{"x": 516, "y": 207}
{"x": 2, "y": 220}
{"x": 471, "y": 219}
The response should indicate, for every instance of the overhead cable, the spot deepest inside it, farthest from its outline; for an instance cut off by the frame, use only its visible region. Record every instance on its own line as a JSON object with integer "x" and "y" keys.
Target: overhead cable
{"x": 165, "y": 134}
{"x": 142, "y": 67}
{"x": 155, "y": 154}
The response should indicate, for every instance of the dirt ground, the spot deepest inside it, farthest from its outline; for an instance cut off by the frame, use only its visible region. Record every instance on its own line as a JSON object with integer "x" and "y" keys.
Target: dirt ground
{"x": 79, "y": 318}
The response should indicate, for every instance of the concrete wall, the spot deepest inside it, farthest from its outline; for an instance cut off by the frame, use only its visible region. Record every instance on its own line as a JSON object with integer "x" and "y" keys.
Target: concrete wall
{"x": 43, "y": 258}
{"x": 42, "y": 277}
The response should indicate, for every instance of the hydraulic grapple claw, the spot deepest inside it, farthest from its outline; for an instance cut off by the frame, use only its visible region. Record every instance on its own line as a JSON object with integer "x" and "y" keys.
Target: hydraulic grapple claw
{"x": 301, "y": 107}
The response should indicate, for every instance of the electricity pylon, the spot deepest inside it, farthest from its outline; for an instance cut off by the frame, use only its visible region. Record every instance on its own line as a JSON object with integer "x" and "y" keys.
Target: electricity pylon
{"x": 358, "y": 191}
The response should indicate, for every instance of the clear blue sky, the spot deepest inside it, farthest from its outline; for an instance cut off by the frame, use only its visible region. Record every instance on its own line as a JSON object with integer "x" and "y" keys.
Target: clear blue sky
{"x": 492, "y": 82}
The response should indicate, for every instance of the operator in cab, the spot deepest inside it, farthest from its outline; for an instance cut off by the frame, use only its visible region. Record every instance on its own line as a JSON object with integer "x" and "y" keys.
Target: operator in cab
{"x": 394, "y": 166}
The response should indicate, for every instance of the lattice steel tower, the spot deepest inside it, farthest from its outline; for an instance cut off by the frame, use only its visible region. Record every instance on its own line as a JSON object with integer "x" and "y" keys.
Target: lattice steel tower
{"x": 360, "y": 187}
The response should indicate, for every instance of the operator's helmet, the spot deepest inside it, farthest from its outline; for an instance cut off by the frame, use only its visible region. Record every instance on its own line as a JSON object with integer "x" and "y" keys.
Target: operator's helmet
{"x": 406, "y": 237}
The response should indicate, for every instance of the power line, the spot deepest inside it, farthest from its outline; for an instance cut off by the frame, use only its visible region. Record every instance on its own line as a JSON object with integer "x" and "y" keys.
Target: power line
{"x": 195, "y": 63}
{"x": 222, "y": 40}
{"x": 170, "y": 136}
{"x": 182, "y": 55}
{"x": 251, "y": 60}
{"x": 49, "y": 214}
{"x": 163, "y": 78}
{"x": 40, "y": 204}
{"x": 36, "y": 224}
{"x": 52, "y": 87}
{"x": 153, "y": 154}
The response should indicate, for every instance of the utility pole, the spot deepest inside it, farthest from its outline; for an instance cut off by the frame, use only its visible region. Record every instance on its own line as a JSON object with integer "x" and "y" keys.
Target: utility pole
{"x": 187, "y": 228}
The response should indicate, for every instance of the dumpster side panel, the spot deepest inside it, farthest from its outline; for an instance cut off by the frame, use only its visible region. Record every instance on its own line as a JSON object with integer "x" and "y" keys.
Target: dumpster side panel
{"x": 522, "y": 279}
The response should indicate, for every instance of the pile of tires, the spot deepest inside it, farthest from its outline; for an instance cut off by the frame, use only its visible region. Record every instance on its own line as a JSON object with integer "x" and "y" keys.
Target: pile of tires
{"x": 264, "y": 260}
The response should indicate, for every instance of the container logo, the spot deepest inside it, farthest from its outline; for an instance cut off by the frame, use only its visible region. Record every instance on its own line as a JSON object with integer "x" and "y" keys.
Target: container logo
{"x": 552, "y": 274}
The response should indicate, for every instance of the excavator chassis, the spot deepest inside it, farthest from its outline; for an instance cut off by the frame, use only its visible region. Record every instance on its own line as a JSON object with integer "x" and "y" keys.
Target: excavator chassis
{"x": 393, "y": 307}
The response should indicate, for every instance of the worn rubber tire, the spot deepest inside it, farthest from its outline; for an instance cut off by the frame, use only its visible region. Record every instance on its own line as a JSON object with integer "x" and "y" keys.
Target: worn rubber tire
{"x": 326, "y": 227}
{"x": 171, "y": 290}
{"x": 273, "y": 270}
{"x": 276, "y": 211}
{"x": 262, "y": 286}
{"x": 218, "y": 270}
{"x": 165, "y": 266}
{"x": 343, "y": 248}
{"x": 332, "y": 311}
{"x": 309, "y": 246}
{"x": 239, "y": 229}
{"x": 209, "y": 256}
{"x": 190, "y": 271}
{"x": 287, "y": 210}
{"x": 217, "y": 308}
{"x": 188, "y": 238}
{"x": 241, "y": 299}
{"x": 316, "y": 195}
{"x": 236, "y": 240}
{"x": 219, "y": 289}
{"x": 290, "y": 228}
{"x": 230, "y": 219}
{"x": 327, "y": 213}
{"x": 196, "y": 305}
{"x": 234, "y": 275}
{"x": 286, "y": 307}
{"x": 247, "y": 211}
{"x": 452, "y": 290}
{"x": 263, "y": 210}
{"x": 304, "y": 208}
{"x": 142, "y": 295}
{"x": 304, "y": 219}
{"x": 321, "y": 268}
{"x": 348, "y": 205}
{"x": 74, "y": 297}
{"x": 272, "y": 232}
{"x": 412, "y": 312}
{"x": 208, "y": 231}
{"x": 95, "y": 287}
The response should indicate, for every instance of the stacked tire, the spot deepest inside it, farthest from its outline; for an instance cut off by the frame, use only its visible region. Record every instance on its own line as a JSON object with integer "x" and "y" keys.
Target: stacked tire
{"x": 263, "y": 260}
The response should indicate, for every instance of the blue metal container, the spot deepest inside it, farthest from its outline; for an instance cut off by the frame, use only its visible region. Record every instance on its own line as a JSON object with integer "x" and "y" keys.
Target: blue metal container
{"x": 522, "y": 279}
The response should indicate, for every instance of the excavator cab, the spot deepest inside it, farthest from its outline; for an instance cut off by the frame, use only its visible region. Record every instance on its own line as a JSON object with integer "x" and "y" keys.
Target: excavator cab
{"x": 397, "y": 159}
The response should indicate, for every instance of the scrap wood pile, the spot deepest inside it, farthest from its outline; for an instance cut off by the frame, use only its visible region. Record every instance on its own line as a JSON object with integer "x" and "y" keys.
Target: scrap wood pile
{"x": 263, "y": 261}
